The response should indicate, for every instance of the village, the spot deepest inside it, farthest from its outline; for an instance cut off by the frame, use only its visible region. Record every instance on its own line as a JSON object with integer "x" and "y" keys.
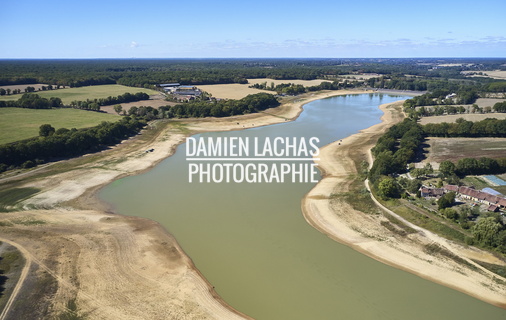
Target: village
{"x": 487, "y": 199}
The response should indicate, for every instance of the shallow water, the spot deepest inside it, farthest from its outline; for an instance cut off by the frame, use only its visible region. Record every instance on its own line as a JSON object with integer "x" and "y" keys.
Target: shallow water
{"x": 253, "y": 244}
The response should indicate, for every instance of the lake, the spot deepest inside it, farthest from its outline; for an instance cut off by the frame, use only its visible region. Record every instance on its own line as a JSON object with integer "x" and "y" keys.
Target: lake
{"x": 252, "y": 243}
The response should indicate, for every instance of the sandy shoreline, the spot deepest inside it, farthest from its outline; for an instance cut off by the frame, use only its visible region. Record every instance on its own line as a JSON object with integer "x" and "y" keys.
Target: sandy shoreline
{"x": 80, "y": 219}
{"x": 75, "y": 218}
{"x": 364, "y": 232}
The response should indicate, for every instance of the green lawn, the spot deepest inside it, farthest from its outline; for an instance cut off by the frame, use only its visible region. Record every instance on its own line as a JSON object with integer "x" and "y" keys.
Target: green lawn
{"x": 83, "y": 93}
{"x": 18, "y": 123}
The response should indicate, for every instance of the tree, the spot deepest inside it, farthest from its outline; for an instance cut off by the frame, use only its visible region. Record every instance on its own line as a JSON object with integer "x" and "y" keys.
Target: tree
{"x": 413, "y": 185}
{"x": 55, "y": 102}
{"x": 467, "y": 166}
{"x": 446, "y": 201}
{"x": 451, "y": 214}
{"x": 428, "y": 168}
{"x": 388, "y": 188}
{"x": 118, "y": 108}
{"x": 486, "y": 230}
{"x": 46, "y": 130}
{"x": 417, "y": 172}
{"x": 447, "y": 168}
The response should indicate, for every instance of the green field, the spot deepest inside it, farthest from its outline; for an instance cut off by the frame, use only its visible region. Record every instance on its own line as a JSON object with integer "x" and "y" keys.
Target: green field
{"x": 83, "y": 93}
{"x": 18, "y": 123}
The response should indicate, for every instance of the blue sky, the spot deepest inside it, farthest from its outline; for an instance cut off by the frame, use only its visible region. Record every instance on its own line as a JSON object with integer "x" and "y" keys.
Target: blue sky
{"x": 236, "y": 29}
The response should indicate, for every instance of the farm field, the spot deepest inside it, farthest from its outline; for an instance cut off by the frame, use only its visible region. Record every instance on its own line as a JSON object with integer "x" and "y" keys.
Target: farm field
{"x": 231, "y": 91}
{"x": 18, "y": 123}
{"x": 453, "y": 149}
{"x": 239, "y": 91}
{"x": 497, "y": 74}
{"x": 22, "y": 87}
{"x": 305, "y": 83}
{"x": 83, "y": 93}
{"x": 155, "y": 103}
{"x": 466, "y": 116}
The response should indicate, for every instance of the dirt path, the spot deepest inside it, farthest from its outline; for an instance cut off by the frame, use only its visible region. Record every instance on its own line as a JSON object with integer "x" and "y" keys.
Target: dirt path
{"x": 22, "y": 277}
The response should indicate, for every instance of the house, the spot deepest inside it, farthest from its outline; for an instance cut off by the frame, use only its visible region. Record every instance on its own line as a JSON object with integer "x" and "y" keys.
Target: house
{"x": 472, "y": 194}
{"x": 451, "y": 187}
{"x": 493, "y": 208}
{"x": 491, "y": 199}
{"x": 431, "y": 192}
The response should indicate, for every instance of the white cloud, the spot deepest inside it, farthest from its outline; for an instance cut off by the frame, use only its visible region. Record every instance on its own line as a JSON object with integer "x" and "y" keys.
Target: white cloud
{"x": 134, "y": 44}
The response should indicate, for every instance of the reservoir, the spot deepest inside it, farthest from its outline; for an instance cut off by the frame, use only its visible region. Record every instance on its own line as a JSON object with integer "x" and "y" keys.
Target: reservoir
{"x": 252, "y": 243}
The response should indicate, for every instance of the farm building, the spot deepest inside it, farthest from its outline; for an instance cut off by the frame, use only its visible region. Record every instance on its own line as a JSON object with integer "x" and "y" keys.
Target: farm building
{"x": 431, "y": 192}
{"x": 472, "y": 194}
{"x": 187, "y": 91}
{"x": 493, "y": 208}
{"x": 169, "y": 87}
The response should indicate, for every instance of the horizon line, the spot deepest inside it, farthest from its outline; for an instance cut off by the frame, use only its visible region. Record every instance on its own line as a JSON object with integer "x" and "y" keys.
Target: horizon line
{"x": 238, "y": 58}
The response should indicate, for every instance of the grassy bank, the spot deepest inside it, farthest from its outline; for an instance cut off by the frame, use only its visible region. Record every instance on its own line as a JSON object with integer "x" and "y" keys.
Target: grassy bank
{"x": 18, "y": 124}
{"x": 83, "y": 93}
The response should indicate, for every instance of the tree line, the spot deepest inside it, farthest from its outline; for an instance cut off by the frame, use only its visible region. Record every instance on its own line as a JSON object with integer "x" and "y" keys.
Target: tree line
{"x": 296, "y": 89}
{"x": 472, "y": 166}
{"x": 211, "y": 108}
{"x": 500, "y": 107}
{"x": 462, "y": 128}
{"x": 34, "y": 101}
{"x": 464, "y": 95}
{"x": 395, "y": 149}
{"x": 56, "y": 144}
{"x": 95, "y": 104}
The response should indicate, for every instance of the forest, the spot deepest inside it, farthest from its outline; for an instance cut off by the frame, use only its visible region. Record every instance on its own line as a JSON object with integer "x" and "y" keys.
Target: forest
{"x": 150, "y": 72}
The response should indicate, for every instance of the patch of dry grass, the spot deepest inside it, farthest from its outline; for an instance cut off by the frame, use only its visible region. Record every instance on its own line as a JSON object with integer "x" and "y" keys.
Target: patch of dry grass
{"x": 453, "y": 149}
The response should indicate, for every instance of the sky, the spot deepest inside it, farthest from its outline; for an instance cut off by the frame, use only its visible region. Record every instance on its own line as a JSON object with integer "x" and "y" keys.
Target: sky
{"x": 252, "y": 29}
